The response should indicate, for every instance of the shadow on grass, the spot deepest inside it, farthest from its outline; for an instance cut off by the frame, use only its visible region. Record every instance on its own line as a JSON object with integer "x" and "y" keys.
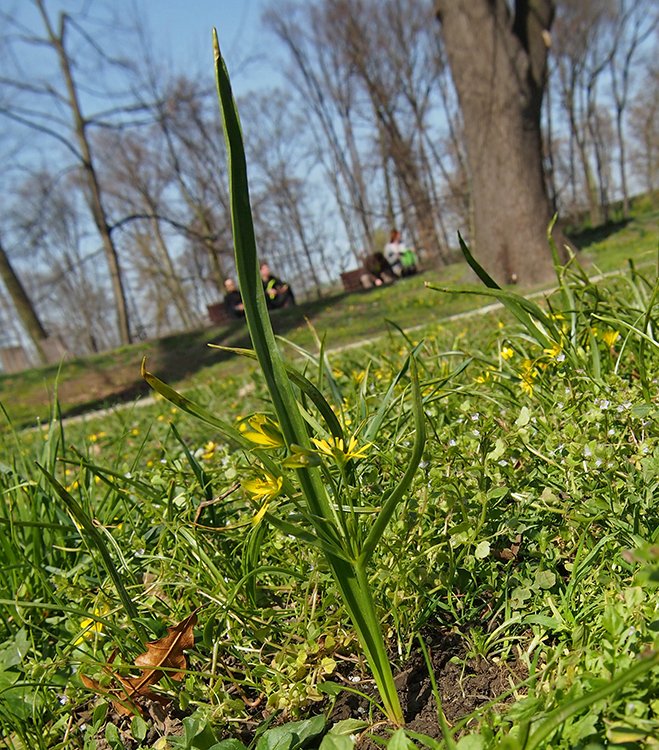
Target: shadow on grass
{"x": 584, "y": 237}
{"x": 174, "y": 358}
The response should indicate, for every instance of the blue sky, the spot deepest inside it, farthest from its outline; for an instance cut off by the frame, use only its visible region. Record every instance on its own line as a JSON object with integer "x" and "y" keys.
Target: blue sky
{"x": 185, "y": 27}
{"x": 180, "y": 30}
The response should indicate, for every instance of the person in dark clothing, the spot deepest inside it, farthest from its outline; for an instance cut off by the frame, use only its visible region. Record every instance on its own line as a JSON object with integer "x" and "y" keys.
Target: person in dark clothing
{"x": 378, "y": 266}
{"x": 233, "y": 300}
{"x": 277, "y": 293}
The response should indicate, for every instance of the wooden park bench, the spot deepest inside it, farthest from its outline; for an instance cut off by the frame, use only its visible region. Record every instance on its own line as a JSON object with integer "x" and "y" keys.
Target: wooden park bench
{"x": 352, "y": 280}
{"x": 218, "y": 314}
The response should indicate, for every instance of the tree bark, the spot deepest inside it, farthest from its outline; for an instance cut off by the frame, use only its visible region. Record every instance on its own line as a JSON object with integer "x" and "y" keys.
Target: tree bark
{"x": 23, "y": 305}
{"x": 498, "y": 63}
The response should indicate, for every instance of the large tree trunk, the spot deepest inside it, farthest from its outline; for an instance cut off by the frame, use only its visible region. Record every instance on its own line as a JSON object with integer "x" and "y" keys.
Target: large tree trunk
{"x": 498, "y": 65}
{"x": 23, "y": 306}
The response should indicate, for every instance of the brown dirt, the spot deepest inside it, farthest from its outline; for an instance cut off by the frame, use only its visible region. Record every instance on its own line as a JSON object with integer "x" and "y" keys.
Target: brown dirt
{"x": 464, "y": 684}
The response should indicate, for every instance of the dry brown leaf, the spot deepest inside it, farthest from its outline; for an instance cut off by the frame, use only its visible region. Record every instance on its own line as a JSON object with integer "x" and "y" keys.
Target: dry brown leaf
{"x": 160, "y": 657}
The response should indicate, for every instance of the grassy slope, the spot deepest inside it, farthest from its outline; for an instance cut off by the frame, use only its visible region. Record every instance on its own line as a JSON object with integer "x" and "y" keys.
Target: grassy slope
{"x": 88, "y": 383}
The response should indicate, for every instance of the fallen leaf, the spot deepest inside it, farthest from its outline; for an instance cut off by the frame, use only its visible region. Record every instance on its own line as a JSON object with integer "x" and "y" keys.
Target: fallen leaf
{"x": 164, "y": 656}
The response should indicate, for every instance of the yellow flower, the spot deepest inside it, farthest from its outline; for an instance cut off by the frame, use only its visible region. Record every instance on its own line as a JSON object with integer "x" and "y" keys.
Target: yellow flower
{"x": 261, "y": 430}
{"x": 507, "y": 353}
{"x": 264, "y": 488}
{"x": 554, "y": 350}
{"x": 485, "y": 377}
{"x": 341, "y": 450}
{"x": 527, "y": 374}
{"x": 90, "y": 626}
{"x": 209, "y": 450}
{"x": 609, "y": 337}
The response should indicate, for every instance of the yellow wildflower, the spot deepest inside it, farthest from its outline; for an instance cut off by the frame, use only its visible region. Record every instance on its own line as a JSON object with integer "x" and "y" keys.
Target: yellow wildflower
{"x": 209, "y": 450}
{"x": 554, "y": 350}
{"x": 261, "y": 430}
{"x": 486, "y": 376}
{"x": 609, "y": 337}
{"x": 527, "y": 374}
{"x": 90, "y": 626}
{"x": 341, "y": 450}
{"x": 264, "y": 488}
{"x": 507, "y": 353}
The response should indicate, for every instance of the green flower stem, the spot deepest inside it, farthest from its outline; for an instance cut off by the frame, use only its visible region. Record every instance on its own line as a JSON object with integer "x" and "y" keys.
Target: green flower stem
{"x": 348, "y": 565}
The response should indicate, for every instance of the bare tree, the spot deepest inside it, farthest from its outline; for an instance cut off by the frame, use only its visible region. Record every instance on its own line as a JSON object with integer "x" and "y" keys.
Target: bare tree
{"x": 53, "y": 106}
{"x": 644, "y": 126}
{"x": 636, "y": 22}
{"x": 329, "y": 96}
{"x": 277, "y": 157}
{"x": 581, "y": 45}
{"x": 23, "y": 305}
{"x": 136, "y": 180}
{"x": 389, "y": 53}
{"x": 53, "y": 253}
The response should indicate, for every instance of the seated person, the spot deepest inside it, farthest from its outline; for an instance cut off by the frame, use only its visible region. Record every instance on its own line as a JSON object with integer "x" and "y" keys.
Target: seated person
{"x": 232, "y": 299}
{"x": 277, "y": 293}
{"x": 393, "y": 251}
{"x": 379, "y": 268}
{"x": 408, "y": 262}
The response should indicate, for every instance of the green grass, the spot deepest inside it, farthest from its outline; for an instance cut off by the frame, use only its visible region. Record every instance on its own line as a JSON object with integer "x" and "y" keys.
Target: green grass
{"x": 530, "y": 532}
